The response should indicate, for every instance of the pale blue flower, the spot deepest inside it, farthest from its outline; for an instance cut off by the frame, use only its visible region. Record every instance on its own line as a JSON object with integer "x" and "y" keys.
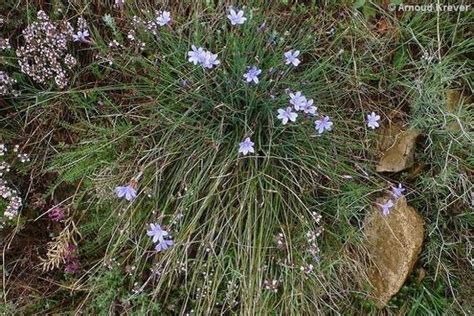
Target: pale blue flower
{"x": 164, "y": 18}
{"x": 200, "y": 56}
{"x": 164, "y": 244}
{"x": 80, "y": 36}
{"x": 397, "y": 192}
{"x": 246, "y": 146}
{"x": 386, "y": 207}
{"x": 323, "y": 124}
{"x": 298, "y": 100}
{"x": 252, "y": 74}
{"x": 210, "y": 60}
{"x": 128, "y": 192}
{"x": 309, "y": 108}
{"x": 236, "y": 18}
{"x": 291, "y": 57}
{"x": 372, "y": 120}
{"x": 196, "y": 55}
{"x": 286, "y": 115}
{"x": 157, "y": 232}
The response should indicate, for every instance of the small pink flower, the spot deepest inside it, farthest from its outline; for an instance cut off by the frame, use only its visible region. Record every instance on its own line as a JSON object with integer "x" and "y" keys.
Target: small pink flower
{"x": 56, "y": 214}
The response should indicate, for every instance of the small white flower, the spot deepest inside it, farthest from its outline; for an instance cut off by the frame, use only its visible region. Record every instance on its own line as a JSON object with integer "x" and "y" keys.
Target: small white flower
{"x": 164, "y": 18}
{"x": 291, "y": 57}
{"x": 372, "y": 120}
{"x": 252, "y": 74}
{"x": 286, "y": 115}
{"x": 236, "y": 18}
{"x": 298, "y": 100}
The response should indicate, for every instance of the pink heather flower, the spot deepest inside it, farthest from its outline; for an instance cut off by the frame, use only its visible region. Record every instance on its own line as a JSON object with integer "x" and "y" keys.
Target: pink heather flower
{"x": 56, "y": 214}
{"x": 252, "y": 74}
{"x": 236, "y": 18}
{"x": 291, "y": 57}
{"x": 157, "y": 233}
{"x": 286, "y": 115}
{"x": 246, "y": 146}
{"x": 397, "y": 192}
{"x": 70, "y": 258}
{"x": 72, "y": 266}
{"x": 297, "y": 100}
{"x": 386, "y": 207}
{"x": 372, "y": 120}
{"x": 127, "y": 192}
{"x": 323, "y": 124}
{"x": 119, "y": 3}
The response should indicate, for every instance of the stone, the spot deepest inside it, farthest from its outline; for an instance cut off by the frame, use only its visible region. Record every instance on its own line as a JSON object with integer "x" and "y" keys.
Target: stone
{"x": 394, "y": 243}
{"x": 400, "y": 155}
{"x": 454, "y": 102}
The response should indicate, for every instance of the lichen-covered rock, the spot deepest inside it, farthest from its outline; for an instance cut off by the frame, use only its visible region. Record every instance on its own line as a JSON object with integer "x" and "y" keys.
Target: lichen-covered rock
{"x": 394, "y": 243}
{"x": 400, "y": 155}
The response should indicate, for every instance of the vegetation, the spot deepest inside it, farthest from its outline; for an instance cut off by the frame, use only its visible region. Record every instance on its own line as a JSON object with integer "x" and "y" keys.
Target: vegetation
{"x": 277, "y": 231}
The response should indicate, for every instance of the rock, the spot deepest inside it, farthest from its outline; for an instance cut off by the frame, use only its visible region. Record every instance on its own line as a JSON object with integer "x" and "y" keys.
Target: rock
{"x": 393, "y": 243}
{"x": 400, "y": 155}
{"x": 454, "y": 101}
{"x": 388, "y": 135}
{"x": 453, "y": 97}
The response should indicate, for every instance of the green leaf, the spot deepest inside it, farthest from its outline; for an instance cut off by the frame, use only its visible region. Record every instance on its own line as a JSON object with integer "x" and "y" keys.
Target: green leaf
{"x": 358, "y": 4}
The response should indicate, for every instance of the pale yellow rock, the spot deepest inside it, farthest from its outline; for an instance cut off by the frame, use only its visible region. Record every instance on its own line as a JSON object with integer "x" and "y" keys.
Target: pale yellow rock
{"x": 400, "y": 155}
{"x": 394, "y": 243}
{"x": 453, "y": 103}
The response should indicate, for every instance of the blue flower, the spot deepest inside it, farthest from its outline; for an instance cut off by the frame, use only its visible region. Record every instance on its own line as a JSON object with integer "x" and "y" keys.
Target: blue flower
{"x": 286, "y": 115}
{"x": 372, "y": 120}
{"x": 236, "y": 18}
{"x": 157, "y": 232}
{"x": 196, "y": 55}
{"x": 164, "y": 244}
{"x": 246, "y": 146}
{"x": 386, "y": 207}
{"x": 210, "y": 60}
{"x": 80, "y": 36}
{"x": 158, "y": 235}
{"x": 252, "y": 74}
{"x": 397, "y": 192}
{"x": 164, "y": 18}
{"x": 323, "y": 124}
{"x": 298, "y": 100}
{"x": 291, "y": 57}
{"x": 200, "y": 56}
{"x": 308, "y": 107}
{"x": 128, "y": 192}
